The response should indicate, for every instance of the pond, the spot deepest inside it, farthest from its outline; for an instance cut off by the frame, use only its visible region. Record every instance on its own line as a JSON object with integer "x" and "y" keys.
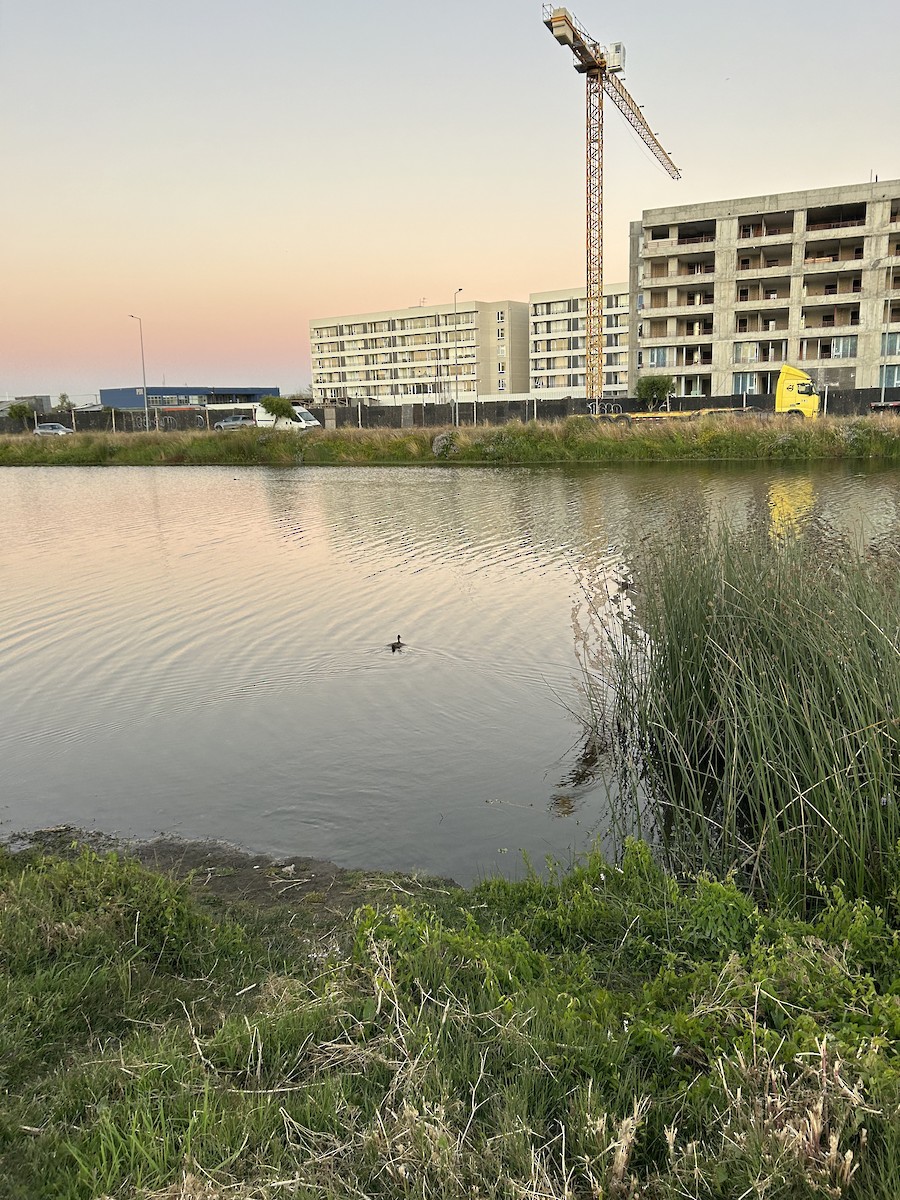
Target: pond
{"x": 206, "y": 652}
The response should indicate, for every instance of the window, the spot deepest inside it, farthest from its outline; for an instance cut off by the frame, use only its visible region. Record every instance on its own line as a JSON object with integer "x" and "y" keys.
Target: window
{"x": 501, "y": 385}
{"x": 501, "y": 315}
{"x": 501, "y": 334}
{"x": 890, "y": 343}
{"x": 745, "y": 264}
{"x": 657, "y": 356}
{"x": 743, "y": 294}
{"x": 890, "y": 377}
{"x": 501, "y": 368}
{"x": 742, "y": 325}
{"x": 744, "y": 381}
{"x": 844, "y": 347}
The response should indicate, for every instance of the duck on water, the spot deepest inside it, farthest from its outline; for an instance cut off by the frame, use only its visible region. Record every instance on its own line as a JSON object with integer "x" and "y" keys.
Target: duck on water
{"x": 398, "y": 645}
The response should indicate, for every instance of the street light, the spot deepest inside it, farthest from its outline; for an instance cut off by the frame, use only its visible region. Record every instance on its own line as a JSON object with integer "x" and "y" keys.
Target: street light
{"x": 456, "y": 358}
{"x": 143, "y": 371}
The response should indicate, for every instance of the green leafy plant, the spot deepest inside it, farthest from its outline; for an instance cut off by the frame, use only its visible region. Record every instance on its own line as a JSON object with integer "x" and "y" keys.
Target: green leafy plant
{"x": 652, "y": 391}
{"x": 21, "y": 412}
{"x": 278, "y": 406}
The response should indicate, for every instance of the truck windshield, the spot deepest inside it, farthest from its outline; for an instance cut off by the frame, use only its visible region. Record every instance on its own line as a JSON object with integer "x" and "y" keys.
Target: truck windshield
{"x": 806, "y": 389}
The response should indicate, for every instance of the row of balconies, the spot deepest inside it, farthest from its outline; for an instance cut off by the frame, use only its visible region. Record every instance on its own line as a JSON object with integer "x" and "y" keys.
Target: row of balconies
{"x": 766, "y": 293}
{"x": 820, "y": 258}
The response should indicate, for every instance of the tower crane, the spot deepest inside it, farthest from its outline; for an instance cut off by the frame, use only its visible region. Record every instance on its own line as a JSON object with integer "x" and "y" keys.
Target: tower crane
{"x": 601, "y": 68}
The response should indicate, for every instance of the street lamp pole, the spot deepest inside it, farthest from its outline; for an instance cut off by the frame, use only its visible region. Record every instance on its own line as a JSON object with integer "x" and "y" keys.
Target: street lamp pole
{"x": 455, "y": 358}
{"x": 143, "y": 371}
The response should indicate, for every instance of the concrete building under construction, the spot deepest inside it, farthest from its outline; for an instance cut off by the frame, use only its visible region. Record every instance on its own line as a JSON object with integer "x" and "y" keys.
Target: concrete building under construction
{"x": 725, "y": 292}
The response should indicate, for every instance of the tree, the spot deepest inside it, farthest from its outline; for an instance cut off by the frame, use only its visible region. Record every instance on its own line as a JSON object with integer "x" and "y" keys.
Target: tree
{"x": 21, "y": 412}
{"x": 653, "y": 390}
{"x": 278, "y": 406}
{"x": 64, "y": 403}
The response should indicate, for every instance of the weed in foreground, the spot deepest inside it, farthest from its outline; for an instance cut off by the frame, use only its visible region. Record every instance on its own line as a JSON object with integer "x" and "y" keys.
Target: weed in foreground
{"x": 604, "y": 1031}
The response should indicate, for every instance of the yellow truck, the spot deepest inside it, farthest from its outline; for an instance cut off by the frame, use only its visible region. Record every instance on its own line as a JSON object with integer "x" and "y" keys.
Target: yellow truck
{"x": 795, "y": 396}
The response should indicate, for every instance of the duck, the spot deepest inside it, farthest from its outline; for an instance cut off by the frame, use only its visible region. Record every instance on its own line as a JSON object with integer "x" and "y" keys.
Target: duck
{"x": 398, "y": 645}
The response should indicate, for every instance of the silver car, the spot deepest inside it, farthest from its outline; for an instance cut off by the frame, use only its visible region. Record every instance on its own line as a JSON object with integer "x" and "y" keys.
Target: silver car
{"x": 52, "y": 429}
{"x": 235, "y": 422}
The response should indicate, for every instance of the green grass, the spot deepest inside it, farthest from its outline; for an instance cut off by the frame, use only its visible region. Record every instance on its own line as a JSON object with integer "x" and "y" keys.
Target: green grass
{"x": 605, "y": 1031}
{"x": 716, "y": 1014}
{"x": 577, "y": 440}
{"x": 757, "y": 711}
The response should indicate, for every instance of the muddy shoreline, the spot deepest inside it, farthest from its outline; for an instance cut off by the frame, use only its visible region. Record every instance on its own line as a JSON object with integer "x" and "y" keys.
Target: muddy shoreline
{"x": 234, "y": 875}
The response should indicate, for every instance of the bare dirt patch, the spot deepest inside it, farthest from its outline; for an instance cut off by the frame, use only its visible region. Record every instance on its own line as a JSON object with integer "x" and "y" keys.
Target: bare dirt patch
{"x": 322, "y": 892}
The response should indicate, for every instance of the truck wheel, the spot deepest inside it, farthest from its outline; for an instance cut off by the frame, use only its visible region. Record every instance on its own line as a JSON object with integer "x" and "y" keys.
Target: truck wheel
{"x": 622, "y": 419}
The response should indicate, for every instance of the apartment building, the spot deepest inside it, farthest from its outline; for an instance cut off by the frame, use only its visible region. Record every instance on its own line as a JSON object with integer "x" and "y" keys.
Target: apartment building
{"x": 556, "y": 341}
{"x": 728, "y": 291}
{"x": 438, "y": 353}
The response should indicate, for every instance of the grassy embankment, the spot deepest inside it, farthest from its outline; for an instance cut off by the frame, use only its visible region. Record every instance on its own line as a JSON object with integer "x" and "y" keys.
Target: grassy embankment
{"x": 614, "y": 1031}
{"x": 577, "y": 440}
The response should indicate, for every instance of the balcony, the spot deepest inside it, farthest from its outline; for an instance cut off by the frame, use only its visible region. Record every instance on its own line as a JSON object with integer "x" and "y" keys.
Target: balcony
{"x": 830, "y": 297}
{"x": 835, "y": 319}
{"x": 772, "y": 320}
{"x": 696, "y": 233}
{"x": 765, "y": 225}
{"x": 762, "y": 266}
{"x": 691, "y": 269}
{"x": 836, "y": 217}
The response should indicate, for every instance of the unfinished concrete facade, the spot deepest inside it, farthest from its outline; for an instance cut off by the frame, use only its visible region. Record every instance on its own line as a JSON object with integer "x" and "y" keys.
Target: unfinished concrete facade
{"x": 726, "y": 292}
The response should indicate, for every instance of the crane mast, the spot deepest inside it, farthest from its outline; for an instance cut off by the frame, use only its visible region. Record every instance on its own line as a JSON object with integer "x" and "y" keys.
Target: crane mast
{"x": 600, "y": 68}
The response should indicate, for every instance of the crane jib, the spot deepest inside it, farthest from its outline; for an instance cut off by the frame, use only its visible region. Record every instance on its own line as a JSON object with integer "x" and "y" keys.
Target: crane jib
{"x": 601, "y": 76}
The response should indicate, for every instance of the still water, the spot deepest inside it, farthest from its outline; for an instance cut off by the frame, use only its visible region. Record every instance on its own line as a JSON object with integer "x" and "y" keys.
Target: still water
{"x": 206, "y": 653}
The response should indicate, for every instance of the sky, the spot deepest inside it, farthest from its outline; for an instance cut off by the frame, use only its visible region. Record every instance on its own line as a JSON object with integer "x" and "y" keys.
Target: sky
{"x": 227, "y": 170}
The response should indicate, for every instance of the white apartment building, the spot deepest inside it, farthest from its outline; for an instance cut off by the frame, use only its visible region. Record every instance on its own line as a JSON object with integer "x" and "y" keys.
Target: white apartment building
{"x": 728, "y": 291}
{"x": 433, "y": 353}
{"x": 556, "y": 341}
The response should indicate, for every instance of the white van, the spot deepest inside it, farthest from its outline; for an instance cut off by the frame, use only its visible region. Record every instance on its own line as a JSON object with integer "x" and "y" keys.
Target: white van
{"x": 301, "y": 420}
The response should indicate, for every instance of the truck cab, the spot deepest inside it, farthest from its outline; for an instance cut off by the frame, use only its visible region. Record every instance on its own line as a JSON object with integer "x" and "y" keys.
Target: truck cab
{"x": 796, "y": 395}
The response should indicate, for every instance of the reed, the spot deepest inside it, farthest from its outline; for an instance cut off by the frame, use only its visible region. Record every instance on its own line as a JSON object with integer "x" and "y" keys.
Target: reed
{"x": 577, "y": 440}
{"x": 758, "y": 711}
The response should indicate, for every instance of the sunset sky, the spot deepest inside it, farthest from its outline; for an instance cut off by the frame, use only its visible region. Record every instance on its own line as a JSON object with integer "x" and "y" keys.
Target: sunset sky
{"x": 228, "y": 169}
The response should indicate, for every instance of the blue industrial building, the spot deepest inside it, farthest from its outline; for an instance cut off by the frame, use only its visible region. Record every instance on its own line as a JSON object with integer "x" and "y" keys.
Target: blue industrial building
{"x": 165, "y": 396}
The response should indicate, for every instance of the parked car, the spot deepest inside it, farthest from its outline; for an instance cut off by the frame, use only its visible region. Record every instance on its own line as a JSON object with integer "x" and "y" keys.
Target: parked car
{"x": 233, "y": 423}
{"x": 51, "y": 429}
